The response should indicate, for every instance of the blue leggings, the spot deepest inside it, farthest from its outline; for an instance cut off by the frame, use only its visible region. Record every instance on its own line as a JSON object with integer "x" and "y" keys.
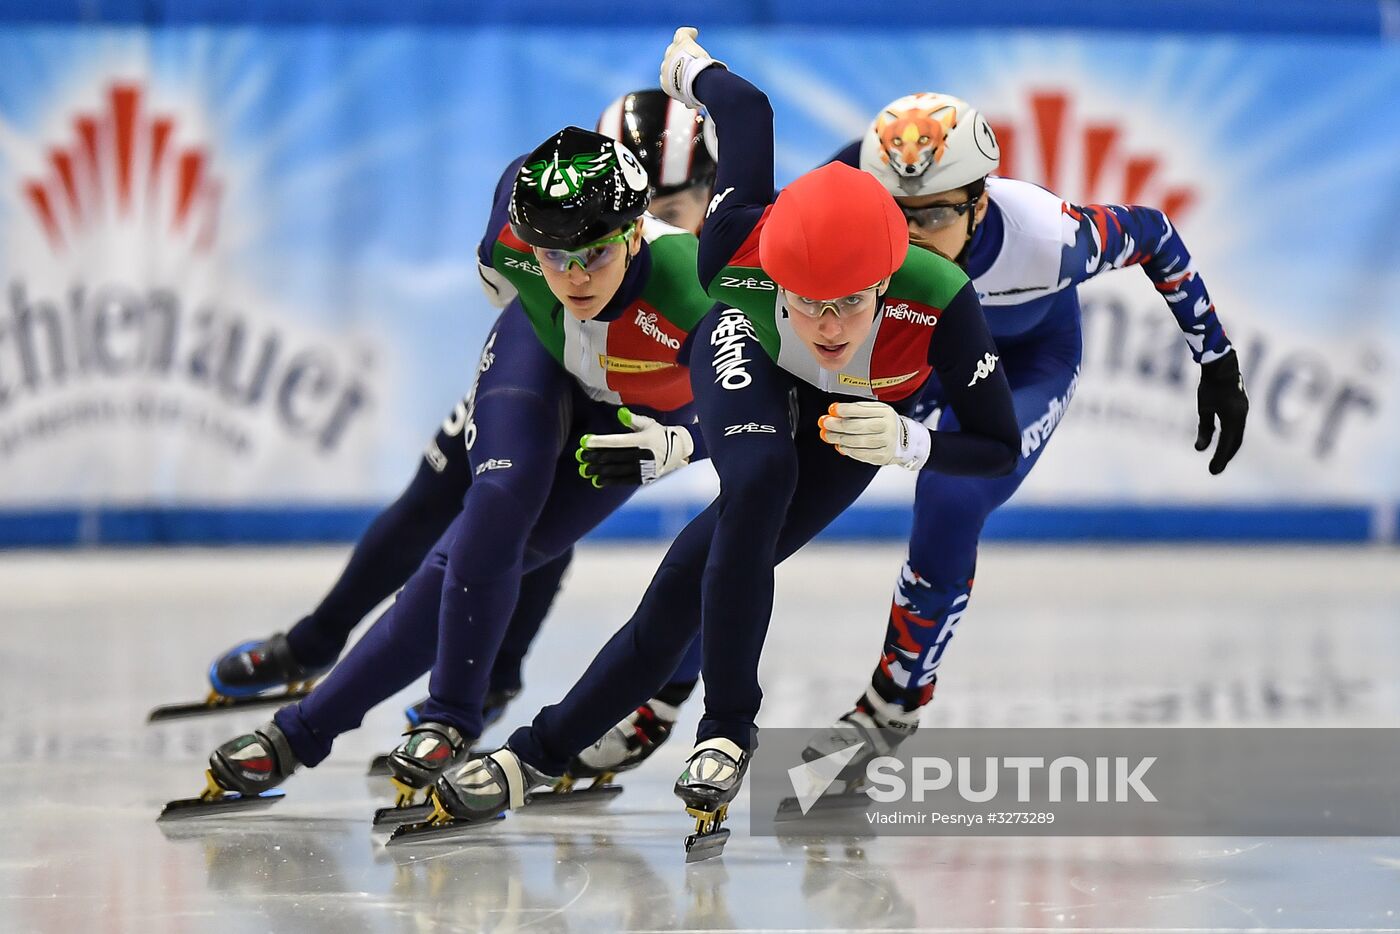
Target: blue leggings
{"x": 935, "y": 583}
{"x": 396, "y": 543}
{"x": 526, "y": 506}
{"x": 780, "y": 485}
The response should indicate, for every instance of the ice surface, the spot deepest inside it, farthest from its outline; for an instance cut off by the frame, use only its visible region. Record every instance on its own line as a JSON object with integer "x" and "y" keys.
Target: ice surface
{"x": 90, "y": 640}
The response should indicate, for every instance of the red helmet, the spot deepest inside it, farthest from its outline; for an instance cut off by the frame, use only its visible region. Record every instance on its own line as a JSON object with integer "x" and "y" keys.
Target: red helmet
{"x": 833, "y": 232}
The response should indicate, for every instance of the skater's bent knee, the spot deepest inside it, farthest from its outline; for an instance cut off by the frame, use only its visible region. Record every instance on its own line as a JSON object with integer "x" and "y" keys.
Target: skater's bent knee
{"x": 766, "y": 476}
{"x": 496, "y": 523}
{"x": 954, "y": 504}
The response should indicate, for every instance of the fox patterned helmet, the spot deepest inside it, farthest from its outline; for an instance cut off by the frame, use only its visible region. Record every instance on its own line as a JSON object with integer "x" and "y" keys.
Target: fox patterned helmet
{"x": 577, "y": 187}
{"x": 926, "y": 143}
{"x": 667, "y": 136}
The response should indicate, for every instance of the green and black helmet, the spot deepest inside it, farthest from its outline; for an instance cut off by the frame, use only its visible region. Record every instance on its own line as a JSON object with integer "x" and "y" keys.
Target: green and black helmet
{"x": 575, "y": 188}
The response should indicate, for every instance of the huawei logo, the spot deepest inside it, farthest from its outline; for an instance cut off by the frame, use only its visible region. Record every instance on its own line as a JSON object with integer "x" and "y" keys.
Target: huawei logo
{"x": 1085, "y": 160}
{"x": 125, "y": 168}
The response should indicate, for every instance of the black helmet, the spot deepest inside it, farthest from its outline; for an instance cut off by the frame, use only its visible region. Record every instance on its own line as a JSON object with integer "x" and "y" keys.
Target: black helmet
{"x": 666, "y": 135}
{"x": 575, "y": 188}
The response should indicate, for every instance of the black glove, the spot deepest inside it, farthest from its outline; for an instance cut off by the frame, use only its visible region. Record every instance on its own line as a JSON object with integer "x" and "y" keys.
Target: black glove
{"x": 1221, "y": 395}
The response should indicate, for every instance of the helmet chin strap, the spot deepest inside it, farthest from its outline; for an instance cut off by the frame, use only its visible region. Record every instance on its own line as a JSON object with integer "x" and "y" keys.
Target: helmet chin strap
{"x": 977, "y": 189}
{"x": 961, "y": 259}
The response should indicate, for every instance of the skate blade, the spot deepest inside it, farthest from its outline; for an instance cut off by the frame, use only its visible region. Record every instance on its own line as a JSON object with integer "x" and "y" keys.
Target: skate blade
{"x": 217, "y": 703}
{"x": 427, "y": 832}
{"x": 703, "y": 846}
{"x": 408, "y": 814}
{"x": 582, "y": 799}
{"x": 190, "y": 808}
{"x": 789, "y": 809}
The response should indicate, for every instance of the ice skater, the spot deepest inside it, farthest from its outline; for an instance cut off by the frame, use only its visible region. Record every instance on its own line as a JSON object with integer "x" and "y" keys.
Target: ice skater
{"x": 605, "y": 298}
{"x": 669, "y": 140}
{"x": 1026, "y": 251}
{"x": 822, "y": 301}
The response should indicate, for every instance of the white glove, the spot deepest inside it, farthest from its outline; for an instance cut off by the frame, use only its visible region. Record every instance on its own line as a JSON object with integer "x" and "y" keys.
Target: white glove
{"x": 646, "y": 454}
{"x": 684, "y": 59}
{"x": 876, "y": 434}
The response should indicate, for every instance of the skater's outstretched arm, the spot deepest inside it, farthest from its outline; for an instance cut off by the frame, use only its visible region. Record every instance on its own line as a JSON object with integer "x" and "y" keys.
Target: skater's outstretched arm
{"x": 1111, "y": 236}
{"x": 744, "y": 174}
{"x": 1101, "y": 237}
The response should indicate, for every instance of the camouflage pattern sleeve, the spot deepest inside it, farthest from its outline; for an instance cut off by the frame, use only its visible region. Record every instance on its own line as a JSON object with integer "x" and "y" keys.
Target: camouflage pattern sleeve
{"x": 1112, "y": 236}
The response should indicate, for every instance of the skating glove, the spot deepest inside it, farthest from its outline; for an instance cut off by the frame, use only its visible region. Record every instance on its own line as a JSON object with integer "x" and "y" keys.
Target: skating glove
{"x": 1221, "y": 396}
{"x": 649, "y": 452}
{"x": 684, "y": 59}
{"x": 875, "y": 433}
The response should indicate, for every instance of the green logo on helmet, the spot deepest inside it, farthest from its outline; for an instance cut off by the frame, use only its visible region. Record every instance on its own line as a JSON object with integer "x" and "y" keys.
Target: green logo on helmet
{"x": 557, "y": 180}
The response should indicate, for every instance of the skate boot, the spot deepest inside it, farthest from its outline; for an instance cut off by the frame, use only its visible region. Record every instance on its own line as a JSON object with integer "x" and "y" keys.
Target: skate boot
{"x": 881, "y": 719}
{"x": 493, "y": 707}
{"x": 626, "y": 746}
{"x": 242, "y": 776}
{"x": 712, "y": 777}
{"x": 253, "y": 674}
{"x": 426, "y": 753}
{"x": 475, "y": 793}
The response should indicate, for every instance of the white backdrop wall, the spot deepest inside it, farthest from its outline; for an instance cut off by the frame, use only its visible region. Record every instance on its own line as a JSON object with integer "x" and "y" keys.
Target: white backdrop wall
{"x": 239, "y": 289}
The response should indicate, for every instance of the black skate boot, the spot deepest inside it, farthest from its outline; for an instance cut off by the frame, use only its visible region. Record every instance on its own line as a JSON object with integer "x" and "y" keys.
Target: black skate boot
{"x": 626, "y": 746}
{"x": 884, "y": 716}
{"x": 427, "y": 751}
{"x": 493, "y": 707}
{"x": 253, "y": 674}
{"x": 712, "y": 777}
{"x": 473, "y": 794}
{"x": 243, "y": 774}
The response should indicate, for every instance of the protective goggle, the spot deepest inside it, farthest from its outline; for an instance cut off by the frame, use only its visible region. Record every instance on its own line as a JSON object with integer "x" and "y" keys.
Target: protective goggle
{"x": 589, "y": 258}
{"x": 938, "y": 216}
{"x": 844, "y": 306}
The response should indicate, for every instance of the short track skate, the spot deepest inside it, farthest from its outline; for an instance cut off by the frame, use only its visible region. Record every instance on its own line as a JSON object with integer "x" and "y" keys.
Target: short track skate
{"x": 406, "y": 809}
{"x": 216, "y": 801}
{"x": 437, "y": 826}
{"x": 492, "y": 710}
{"x": 257, "y": 673}
{"x": 566, "y": 795}
{"x": 712, "y": 778}
{"x": 428, "y": 750}
{"x": 220, "y": 703}
{"x": 709, "y": 838}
